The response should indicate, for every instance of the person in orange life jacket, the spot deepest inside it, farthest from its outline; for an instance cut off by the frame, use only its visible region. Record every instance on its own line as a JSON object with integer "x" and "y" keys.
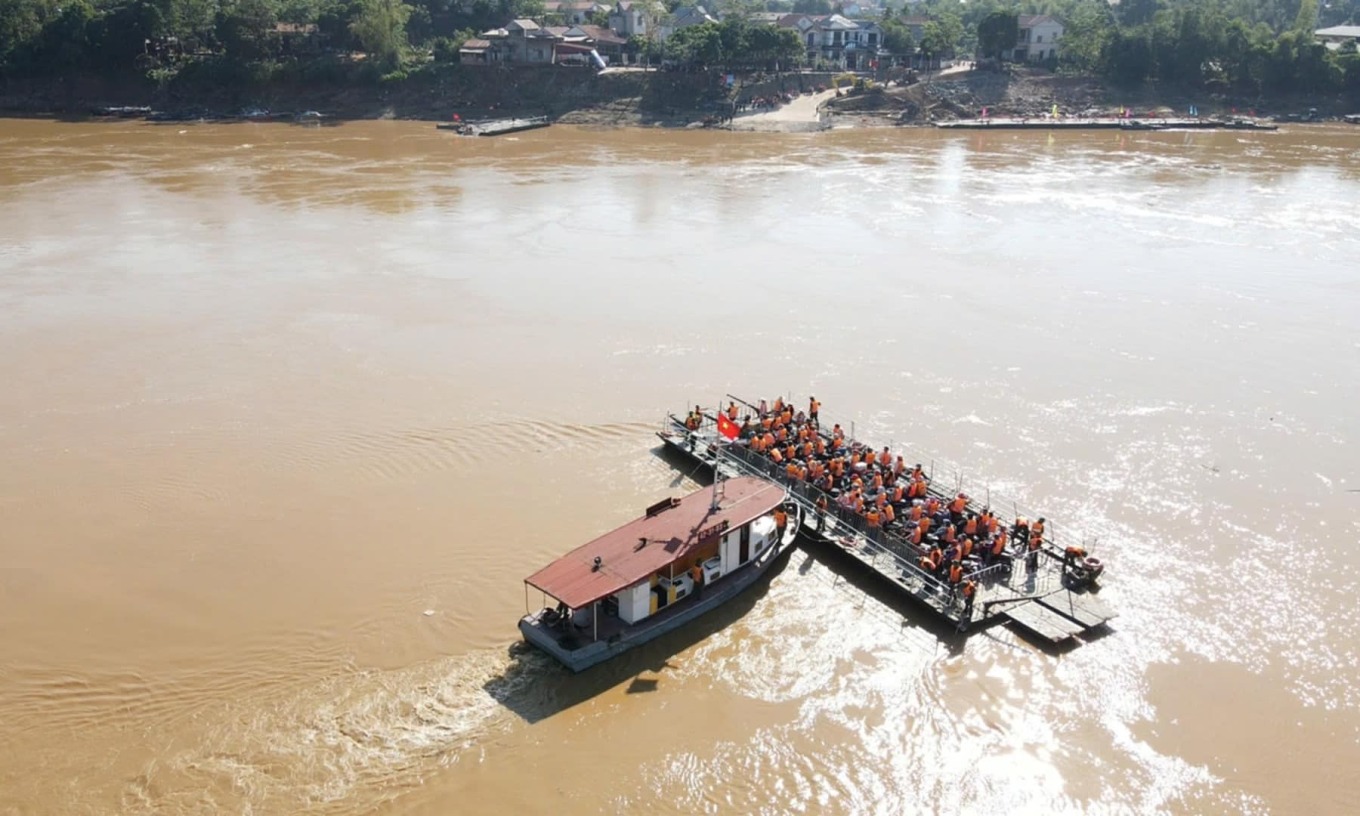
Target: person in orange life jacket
{"x": 695, "y": 419}
{"x": 969, "y": 590}
{"x": 1072, "y": 555}
{"x": 814, "y": 408}
{"x": 998, "y": 546}
{"x": 955, "y": 578}
{"x": 1032, "y": 559}
{"x": 781, "y": 520}
{"x": 732, "y": 411}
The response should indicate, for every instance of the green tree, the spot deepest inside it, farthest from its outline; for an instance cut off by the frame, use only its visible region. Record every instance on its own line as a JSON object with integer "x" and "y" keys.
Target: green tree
{"x": 696, "y": 45}
{"x": 380, "y": 27}
{"x": 1128, "y": 57}
{"x": 1305, "y": 22}
{"x": 935, "y": 42}
{"x": 897, "y": 37}
{"x": 997, "y": 33}
{"x": 21, "y": 23}
{"x": 1086, "y": 29}
{"x": 246, "y": 29}
{"x": 65, "y": 42}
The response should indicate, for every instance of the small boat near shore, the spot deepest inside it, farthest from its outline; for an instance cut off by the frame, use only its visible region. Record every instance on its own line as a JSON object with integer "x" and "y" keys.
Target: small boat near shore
{"x": 495, "y": 127}
{"x": 680, "y": 559}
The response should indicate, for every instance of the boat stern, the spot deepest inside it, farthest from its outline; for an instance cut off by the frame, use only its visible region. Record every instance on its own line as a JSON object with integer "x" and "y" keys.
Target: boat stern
{"x": 554, "y": 636}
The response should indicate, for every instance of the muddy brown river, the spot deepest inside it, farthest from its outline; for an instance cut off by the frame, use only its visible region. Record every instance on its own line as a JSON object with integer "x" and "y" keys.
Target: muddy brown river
{"x": 289, "y": 412}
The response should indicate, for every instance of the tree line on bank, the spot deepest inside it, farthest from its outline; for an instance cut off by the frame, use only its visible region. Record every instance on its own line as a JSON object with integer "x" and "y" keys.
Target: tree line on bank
{"x": 1234, "y": 46}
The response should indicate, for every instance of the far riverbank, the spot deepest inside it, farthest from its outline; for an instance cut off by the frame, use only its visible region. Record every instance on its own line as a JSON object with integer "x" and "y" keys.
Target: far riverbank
{"x": 636, "y": 98}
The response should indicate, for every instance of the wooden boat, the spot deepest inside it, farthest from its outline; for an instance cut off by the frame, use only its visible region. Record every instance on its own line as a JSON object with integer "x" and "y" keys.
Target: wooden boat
{"x": 495, "y": 127}
{"x": 680, "y": 559}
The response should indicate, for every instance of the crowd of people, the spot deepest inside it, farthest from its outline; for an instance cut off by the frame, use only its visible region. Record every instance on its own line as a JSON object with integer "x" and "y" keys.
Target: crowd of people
{"x": 949, "y": 538}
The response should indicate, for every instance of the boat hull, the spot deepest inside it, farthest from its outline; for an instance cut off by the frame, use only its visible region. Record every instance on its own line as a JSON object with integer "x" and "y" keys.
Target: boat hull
{"x": 581, "y": 657}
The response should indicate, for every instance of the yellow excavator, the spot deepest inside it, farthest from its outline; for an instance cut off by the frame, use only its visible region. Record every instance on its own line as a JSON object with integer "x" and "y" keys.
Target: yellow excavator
{"x": 853, "y": 83}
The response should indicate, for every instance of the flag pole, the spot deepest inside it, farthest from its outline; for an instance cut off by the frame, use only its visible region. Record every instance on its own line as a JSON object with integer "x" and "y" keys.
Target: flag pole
{"x": 717, "y": 456}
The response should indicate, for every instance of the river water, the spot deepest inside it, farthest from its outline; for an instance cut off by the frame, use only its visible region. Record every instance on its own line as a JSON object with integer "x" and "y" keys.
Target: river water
{"x": 289, "y": 412}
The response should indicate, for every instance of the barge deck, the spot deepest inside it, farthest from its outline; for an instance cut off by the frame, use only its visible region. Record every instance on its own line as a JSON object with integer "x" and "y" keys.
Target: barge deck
{"x": 1106, "y": 124}
{"x": 1038, "y": 595}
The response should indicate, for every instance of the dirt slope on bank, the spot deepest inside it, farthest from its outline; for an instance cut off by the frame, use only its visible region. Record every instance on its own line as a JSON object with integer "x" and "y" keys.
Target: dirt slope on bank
{"x": 1023, "y": 92}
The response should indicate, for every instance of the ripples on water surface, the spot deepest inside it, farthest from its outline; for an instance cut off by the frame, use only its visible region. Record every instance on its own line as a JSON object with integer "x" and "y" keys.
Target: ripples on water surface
{"x": 290, "y": 412}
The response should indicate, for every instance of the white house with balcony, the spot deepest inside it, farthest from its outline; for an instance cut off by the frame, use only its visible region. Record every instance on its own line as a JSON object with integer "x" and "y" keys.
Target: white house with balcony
{"x": 833, "y": 38}
{"x": 1039, "y": 39}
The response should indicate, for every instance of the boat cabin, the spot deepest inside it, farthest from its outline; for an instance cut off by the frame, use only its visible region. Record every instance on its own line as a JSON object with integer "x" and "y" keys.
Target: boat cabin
{"x": 654, "y": 566}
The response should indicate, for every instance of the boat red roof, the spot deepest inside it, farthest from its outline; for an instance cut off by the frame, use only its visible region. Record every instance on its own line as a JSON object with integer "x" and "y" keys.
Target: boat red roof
{"x": 671, "y": 530}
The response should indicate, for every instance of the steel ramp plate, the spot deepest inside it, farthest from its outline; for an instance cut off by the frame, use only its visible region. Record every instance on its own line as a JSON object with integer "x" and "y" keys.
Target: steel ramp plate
{"x": 1043, "y": 621}
{"x": 1085, "y": 609}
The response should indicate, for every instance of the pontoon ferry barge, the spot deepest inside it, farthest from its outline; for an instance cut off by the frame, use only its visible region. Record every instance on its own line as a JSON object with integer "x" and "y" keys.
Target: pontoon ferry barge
{"x": 1045, "y": 585}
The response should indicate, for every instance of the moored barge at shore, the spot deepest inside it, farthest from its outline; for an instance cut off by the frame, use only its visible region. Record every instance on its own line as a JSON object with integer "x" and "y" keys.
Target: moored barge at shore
{"x": 1047, "y": 588}
{"x": 680, "y": 559}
